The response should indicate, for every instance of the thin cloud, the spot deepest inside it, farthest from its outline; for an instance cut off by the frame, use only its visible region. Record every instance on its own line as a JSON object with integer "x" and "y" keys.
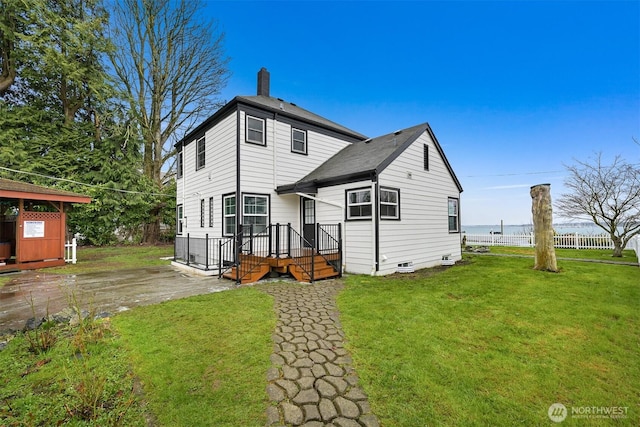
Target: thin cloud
{"x": 507, "y": 187}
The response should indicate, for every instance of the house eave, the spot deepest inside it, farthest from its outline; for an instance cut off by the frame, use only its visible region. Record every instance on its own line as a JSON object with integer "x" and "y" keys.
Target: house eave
{"x": 311, "y": 187}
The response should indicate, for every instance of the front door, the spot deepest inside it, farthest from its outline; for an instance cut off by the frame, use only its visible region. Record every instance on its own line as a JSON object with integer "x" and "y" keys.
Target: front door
{"x": 308, "y": 222}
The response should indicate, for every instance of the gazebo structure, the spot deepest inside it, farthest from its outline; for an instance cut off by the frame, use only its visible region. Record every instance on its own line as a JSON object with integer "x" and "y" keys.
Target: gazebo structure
{"x": 33, "y": 225}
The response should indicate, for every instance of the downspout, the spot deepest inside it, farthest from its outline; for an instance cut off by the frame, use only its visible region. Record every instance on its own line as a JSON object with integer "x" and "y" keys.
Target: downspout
{"x": 238, "y": 241}
{"x": 374, "y": 225}
{"x": 274, "y": 148}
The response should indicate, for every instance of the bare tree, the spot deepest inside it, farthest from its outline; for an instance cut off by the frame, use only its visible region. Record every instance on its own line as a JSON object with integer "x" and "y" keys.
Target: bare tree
{"x": 607, "y": 194}
{"x": 169, "y": 62}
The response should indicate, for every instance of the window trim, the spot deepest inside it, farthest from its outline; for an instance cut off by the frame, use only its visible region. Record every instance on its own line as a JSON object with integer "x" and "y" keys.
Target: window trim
{"x": 179, "y": 165}
{"x": 225, "y": 216}
{"x": 263, "y": 141}
{"x": 396, "y": 217}
{"x": 267, "y": 215}
{"x": 304, "y": 133}
{"x": 348, "y": 216}
{"x": 201, "y": 159}
{"x": 456, "y": 216}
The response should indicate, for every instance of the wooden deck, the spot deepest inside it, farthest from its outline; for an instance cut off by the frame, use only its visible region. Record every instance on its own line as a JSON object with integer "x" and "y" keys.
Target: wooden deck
{"x": 298, "y": 267}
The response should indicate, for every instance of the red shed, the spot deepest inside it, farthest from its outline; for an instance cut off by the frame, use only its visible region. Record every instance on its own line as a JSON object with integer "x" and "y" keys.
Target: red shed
{"x": 33, "y": 224}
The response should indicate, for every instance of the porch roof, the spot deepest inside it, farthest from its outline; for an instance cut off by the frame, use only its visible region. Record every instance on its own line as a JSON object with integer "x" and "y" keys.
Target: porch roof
{"x": 363, "y": 160}
{"x": 10, "y": 189}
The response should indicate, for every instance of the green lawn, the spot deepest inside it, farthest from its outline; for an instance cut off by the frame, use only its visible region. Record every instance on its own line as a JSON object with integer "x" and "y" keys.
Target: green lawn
{"x": 595, "y": 254}
{"x": 200, "y": 361}
{"x": 493, "y": 342}
{"x": 487, "y": 342}
{"x": 107, "y": 258}
{"x": 203, "y": 360}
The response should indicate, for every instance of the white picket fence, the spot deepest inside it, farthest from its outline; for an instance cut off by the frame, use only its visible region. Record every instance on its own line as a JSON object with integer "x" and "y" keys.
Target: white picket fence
{"x": 70, "y": 251}
{"x": 568, "y": 241}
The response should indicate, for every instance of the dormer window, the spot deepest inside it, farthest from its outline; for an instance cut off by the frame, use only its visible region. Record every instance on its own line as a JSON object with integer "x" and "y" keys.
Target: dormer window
{"x": 255, "y": 131}
{"x": 298, "y": 141}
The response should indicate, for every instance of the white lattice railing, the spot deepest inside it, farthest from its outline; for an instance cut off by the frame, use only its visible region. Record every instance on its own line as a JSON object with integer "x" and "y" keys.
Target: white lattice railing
{"x": 569, "y": 241}
{"x": 70, "y": 251}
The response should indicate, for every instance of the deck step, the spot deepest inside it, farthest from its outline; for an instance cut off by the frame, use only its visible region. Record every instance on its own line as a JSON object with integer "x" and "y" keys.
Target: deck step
{"x": 256, "y": 274}
{"x": 321, "y": 271}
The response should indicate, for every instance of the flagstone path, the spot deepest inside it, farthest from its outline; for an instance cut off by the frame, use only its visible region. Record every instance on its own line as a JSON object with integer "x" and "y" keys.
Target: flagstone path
{"x": 311, "y": 382}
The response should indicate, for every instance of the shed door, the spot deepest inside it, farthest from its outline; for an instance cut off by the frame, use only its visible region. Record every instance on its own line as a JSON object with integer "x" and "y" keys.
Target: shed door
{"x": 309, "y": 222}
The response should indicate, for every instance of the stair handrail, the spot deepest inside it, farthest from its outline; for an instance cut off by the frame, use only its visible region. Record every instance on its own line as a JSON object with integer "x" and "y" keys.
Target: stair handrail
{"x": 321, "y": 232}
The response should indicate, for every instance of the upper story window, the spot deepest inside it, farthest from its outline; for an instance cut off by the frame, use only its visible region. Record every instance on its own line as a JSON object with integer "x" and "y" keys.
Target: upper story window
{"x": 179, "y": 164}
{"x": 255, "y": 130}
{"x": 389, "y": 203}
{"x": 298, "y": 141}
{"x": 454, "y": 217}
{"x": 359, "y": 204}
{"x": 200, "y": 153}
{"x": 426, "y": 157}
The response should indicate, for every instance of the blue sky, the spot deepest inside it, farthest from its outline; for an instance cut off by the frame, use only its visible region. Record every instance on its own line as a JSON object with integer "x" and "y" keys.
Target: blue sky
{"x": 513, "y": 90}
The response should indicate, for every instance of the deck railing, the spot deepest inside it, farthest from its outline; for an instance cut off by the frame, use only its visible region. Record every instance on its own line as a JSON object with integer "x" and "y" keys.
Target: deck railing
{"x": 251, "y": 247}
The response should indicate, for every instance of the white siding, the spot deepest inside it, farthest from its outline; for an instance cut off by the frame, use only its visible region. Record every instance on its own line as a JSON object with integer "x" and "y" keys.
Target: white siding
{"x": 263, "y": 168}
{"x": 215, "y": 179}
{"x": 422, "y": 235}
{"x": 291, "y": 166}
{"x": 357, "y": 236}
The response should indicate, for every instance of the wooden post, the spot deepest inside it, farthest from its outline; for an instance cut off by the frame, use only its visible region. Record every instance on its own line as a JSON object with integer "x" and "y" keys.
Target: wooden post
{"x": 543, "y": 228}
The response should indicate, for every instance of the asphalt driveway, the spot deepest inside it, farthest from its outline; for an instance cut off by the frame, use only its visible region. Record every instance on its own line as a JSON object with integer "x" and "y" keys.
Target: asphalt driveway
{"x": 36, "y": 294}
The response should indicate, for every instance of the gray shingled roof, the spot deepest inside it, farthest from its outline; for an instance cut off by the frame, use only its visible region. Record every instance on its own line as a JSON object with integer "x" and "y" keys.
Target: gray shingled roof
{"x": 361, "y": 160}
{"x": 275, "y": 105}
{"x": 292, "y": 110}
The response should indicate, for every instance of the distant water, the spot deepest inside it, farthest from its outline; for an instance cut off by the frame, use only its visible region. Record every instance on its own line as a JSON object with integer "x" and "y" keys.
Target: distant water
{"x": 581, "y": 228}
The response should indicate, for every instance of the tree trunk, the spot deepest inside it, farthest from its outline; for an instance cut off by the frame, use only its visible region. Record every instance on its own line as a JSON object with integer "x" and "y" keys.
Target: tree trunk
{"x": 543, "y": 228}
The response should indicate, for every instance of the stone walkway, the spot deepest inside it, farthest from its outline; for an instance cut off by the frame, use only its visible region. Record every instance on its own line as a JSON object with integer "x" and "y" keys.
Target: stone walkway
{"x": 312, "y": 382}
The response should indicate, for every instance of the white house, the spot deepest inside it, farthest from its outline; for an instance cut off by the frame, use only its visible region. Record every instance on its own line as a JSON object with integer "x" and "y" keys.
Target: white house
{"x": 313, "y": 198}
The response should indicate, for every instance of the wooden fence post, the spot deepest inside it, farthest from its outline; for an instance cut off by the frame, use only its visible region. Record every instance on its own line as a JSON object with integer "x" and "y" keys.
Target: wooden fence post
{"x": 543, "y": 228}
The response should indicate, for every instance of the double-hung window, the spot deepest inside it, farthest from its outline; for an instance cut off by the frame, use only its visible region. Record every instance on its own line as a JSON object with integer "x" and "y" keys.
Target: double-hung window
{"x": 298, "y": 141}
{"x": 255, "y": 130}
{"x": 255, "y": 211}
{"x": 179, "y": 219}
{"x": 229, "y": 215}
{"x": 200, "y": 153}
{"x": 179, "y": 164}
{"x": 389, "y": 203}
{"x": 454, "y": 217}
{"x": 359, "y": 205}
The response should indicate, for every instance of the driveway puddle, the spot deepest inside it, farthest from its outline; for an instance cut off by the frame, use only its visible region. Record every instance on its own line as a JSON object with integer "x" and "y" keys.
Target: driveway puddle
{"x": 112, "y": 292}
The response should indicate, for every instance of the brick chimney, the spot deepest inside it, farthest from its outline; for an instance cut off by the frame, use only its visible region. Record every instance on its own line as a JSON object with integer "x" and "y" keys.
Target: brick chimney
{"x": 263, "y": 82}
